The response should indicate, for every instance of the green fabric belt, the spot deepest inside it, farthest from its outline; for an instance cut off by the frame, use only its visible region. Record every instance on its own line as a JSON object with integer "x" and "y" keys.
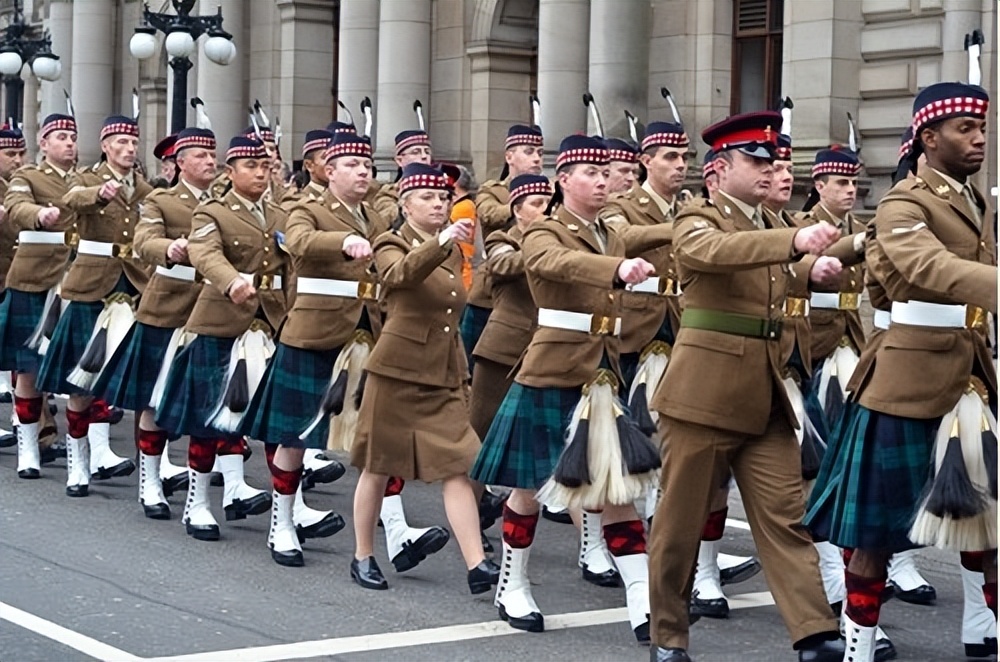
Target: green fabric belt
{"x": 731, "y": 323}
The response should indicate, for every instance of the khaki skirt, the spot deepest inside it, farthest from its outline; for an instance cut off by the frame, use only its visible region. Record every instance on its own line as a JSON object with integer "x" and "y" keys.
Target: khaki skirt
{"x": 413, "y": 431}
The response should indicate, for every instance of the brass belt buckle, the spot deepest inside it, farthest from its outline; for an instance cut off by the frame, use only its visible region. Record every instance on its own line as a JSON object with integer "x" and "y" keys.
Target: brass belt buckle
{"x": 121, "y": 250}
{"x": 367, "y": 290}
{"x": 266, "y": 282}
{"x": 602, "y": 325}
{"x": 848, "y": 300}
{"x": 796, "y": 307}
{"x": 669, "y": 286}
{"x": 71, "y": 238}
{"x": 975, "y": 317}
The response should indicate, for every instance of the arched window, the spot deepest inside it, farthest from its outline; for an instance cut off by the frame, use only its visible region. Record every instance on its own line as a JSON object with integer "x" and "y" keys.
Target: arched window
{"x": 756, "y": 81}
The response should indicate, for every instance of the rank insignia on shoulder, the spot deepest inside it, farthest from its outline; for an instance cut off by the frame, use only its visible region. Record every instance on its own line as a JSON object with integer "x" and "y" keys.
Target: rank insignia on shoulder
{"x": 572, "y": 227}
{"x": 643, "y": 200}
{"x": 727, "y": 209}
{"x": 335, "y": 205}
{"x": 184, "y": 196}
{"x": 235, "y": 207}
{"x": 106, "y": 177}
{"x": 942, "y": 190}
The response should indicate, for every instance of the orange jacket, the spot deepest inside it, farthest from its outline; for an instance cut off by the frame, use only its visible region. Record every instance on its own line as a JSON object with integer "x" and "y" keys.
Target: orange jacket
{"x": 464, "y": 207}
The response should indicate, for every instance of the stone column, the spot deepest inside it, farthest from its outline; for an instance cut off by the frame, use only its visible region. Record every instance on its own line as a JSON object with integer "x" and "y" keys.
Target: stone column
{"x": 404, "y": 68}
{"x": 357, "y": 70}
{"x": 619, "y": 61}
{"x": 60, "y": 27}
{"x": 92, "y": 72}
{"x": 222, "y": 87}
{"x": 30, "y": 104}
{"x": 563, "y": 29}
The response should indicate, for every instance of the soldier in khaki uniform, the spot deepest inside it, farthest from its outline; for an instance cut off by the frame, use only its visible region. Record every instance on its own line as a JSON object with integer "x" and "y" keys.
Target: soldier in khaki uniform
{"x": 624, "y": 166}
{"x": 35, "y": 209}
{"x": 313, "y": 163}
{"x": 733, "y": 272}
{"x": 931, "y": 364}
{"x": 234, "y": 246}
{"x": 133, "y": 378}
{"x": 12, "y": 150}
{"x": 412, "y": 146}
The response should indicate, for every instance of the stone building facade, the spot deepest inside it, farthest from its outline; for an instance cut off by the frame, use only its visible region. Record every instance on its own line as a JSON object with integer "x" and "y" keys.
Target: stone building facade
{"x": 474, "y": 63}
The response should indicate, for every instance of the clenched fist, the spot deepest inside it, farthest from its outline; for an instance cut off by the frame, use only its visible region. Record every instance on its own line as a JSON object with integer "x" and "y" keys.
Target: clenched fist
{"x": 460, "y": 230}
{"x": 48, "y": 216}
{"x": 241, "y": 290}
{"x": 109, "y": 189}
{"x": 825, "y": 271}
{"x": 177, "y": 252}
{"x": 816, "y": 238}
{"x": 635, "y": 270}
{"x": 357, "y": 248}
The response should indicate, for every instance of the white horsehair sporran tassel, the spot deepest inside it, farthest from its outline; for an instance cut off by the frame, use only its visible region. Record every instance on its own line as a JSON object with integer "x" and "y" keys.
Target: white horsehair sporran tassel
{"x": 112, "y": 326}
{"x": 247, "y": 363}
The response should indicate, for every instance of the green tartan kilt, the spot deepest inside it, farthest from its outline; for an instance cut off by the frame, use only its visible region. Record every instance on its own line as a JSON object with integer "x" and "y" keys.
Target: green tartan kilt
{"x": 471, "y": 327}
{"x": 194, "y": 388}
{"x": 128, "y": 379}
{"x": 69, "y": 340}
{"x": 289, "y": 397}
{"x": 19, "y": 315}
{"x": 872, "y": 481}
{"x": 526, "y": 438}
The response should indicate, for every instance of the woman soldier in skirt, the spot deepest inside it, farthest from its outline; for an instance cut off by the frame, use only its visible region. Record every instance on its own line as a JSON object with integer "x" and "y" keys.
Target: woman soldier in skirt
{"x": 234, "y": 245}
{"x": 135, "y": 375}
{"x": 101, "y": 283}
{"x": 568, "y": 378}
{"x": 414, "y": 418}
{"x": 326, "y": 338}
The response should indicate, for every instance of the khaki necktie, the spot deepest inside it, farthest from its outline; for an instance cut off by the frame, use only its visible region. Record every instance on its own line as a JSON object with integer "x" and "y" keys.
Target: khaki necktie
{"x": 128, "y": 188}
{"x": 973, "y": 206}
{"x": 258, "y": 212}
{"x": 360, "y": 218}
{"x": 601, "y": 235}
{"x": 757, "y": 220}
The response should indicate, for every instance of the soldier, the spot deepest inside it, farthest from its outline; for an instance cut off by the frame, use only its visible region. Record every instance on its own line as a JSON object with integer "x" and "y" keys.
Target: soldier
{"x": 12, "y": 150}
{"x": 412, "y": 146}
{"x": 314, "y": 165}
{"x": 133, "y": 378}
{"x": 234, "y": 246}
{"x": 939, "y": 272}
{"x": 710, "y": 180}
{"x": 36, "y": 210}
{"x": 166, "y": 153}
{"x": 624, "y": 166}
{"x": 326, "y": 338}
{"x": 733, "y": 275}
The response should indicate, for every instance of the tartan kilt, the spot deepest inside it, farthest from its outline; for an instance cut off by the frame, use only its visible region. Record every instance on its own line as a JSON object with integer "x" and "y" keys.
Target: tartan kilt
{"x": 471, "y": 327}
{"x": 194, "y": 387}
{"x": 19, "y": 315}
{"x": 872, "y": 480}
{"x": 629, "y": 361}
{"x": 526, "y": 438}
{"x": 289, "y": 397}
{"x": 69, "y": 340}
{"x": 128, "y": 379}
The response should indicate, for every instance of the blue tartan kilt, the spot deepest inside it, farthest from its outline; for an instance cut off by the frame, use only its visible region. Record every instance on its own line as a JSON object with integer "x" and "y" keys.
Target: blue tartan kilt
{"x": 629, "y": 361}
{"x": 471, "y": 327}
{"x": 128, "y": 379}
{"x": 194, "y": 387}
{"x": 872, "y": 481}
{"x": 526, "y": 438}
{"x": 69, "y": 340}
{"x": 20, "y": 313}
{"x": 289, "y": 397}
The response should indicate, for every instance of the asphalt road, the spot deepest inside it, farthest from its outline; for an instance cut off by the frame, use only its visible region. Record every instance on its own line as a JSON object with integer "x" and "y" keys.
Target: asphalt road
{"x": 92, "y": 578}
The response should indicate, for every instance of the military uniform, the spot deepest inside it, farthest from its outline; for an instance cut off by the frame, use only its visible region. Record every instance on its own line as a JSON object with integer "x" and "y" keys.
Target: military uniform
{"x": 8, "y": 241}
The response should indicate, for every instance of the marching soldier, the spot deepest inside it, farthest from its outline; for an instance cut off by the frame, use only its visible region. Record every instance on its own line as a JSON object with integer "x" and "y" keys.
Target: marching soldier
{"x": 314, "y": 164}
{"x": 166, "y": 153}
{"x": 234, "y": 246}
{"x": 939, "y": 272}
{"x": 624, "y": 166}
{"x": 733, "y": 274}
{"x": 412, "y": 146}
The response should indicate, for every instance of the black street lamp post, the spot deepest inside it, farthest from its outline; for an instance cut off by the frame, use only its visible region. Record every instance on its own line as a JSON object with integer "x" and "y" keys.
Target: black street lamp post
{"x": 19, "y": 44}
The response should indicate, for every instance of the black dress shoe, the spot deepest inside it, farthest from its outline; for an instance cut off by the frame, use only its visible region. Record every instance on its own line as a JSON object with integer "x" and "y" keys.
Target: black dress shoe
{"x": 658, "y": 654}
{"x": 739, "y": 573}
{"x": 533, "y": 622}
{"x": 8, "y": 440}
{"x": 29, "y": 474}
{"x": 326, "y": 474}
{"x": 292, "y": 559}
{"x": 562, "y": 517}
{"x": 483, "y": 577}
{"x": 6, "y": 398}
{"x": 985, "y": 649}
{"x": 367, "y": 574}
{"x": 824, "y": 651}
{"x": 641, "y": 633}
{"x": 216, "y": 479}
{"x": 156, "y": 511}
{"x": 324, "y": 528}
{"x": 413, "y": 553}
{"x": 77, "y": 490}
{"x": 717, "y": 608}
{"x": 609, "y": 578}
{"x": 174, "y": 484}
{"x": 921, "y": 595}
{"x": 885, "y": 651}
{"x": 255, "y": 505}
{"x": 123, "y": 468}
{"x": 51, "y": 453}
{"x": 202, "y": 531}
{"x": 490, "y": 509}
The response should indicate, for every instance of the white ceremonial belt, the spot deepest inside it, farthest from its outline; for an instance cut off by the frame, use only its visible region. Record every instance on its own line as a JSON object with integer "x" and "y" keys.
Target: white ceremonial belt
{"x": 263, "y": 281}
{"x": 177, "y": 272}
{"x": 921, "y": 313}
{"x": 834, "y": 300}
{"x": 36, "y": 237}
{"x": 98, "y": 248}
{"x": 331, "y": 287}
{"x": 658, "y": 285}
{"x": 882, "y": 319}
{"x": 584, "y": 322}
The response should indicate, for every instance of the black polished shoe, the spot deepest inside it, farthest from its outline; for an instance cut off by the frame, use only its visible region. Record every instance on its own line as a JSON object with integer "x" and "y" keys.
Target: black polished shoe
{"x": 156, "y": 511}
{"x": 739, "y": 573}
{"x": 824, "y": 651}
{"x": 75, "y": 490}
{"x": 202, "y": 531}
{"x": 717, "y": 608}
{"x": 51, "y": 453}
{"x": 885, "y": 650}
{"x": 124, "y": 468}
{"x": 29, "y": 474}
{"x": 327, "y": 474}
{"x": 292, "y": 559}
{"x": 174, "y": 484}
{"x": 216, "y": 479}
{"x": 8, "y": 440}
{"x": 641, "y": 633}
{"x": 533, "y": 622}
{"x": 658, "y": 654}
{"x": 490, "y": 509}
{"x": 324, "y": 528}
{"x": 413, "y": 553}
{"x": 608, "y": 579}
{"x": 986, "y": 649}
{"x": 367, "y": 574}
{"x": 562, "y": 517}
{"x": 921, "y": 595}
{"x": 483, "y": 577}
{"x": 255, "y": 505}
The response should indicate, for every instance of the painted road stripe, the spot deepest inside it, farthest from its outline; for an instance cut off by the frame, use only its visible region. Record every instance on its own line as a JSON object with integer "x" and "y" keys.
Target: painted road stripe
{"x": 737, "y": 524}
{"x": 66, "y": 637}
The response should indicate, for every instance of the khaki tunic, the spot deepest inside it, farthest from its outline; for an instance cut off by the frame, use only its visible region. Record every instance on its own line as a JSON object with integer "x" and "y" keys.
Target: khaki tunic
{"x": 92, "y": 277}
{"x": 8, "y": 241}
{"x": 492, "y": 214}
{"x": 798, "y": 330}
{"x": 414, "y": 417}
{"x": 384, "y": 199}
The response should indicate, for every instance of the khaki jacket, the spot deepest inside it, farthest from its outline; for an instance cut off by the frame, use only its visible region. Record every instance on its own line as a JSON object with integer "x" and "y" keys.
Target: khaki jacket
{"x": 568, "y": 271}
{"x": 493, "y": 205}
{"x": 645, "y": 313}
{"x": 423, "y": 294}
{"x": 384, "y": 199}
{"x": 8, "y": 240}
{"x": 314, "y": 238}
{"x": 798, "y": 330}
{"x": 311, "y": 191}
{"x": 935, "y": 252}
{"x": 37, "y": 267}
{"x": 726, "y": 264}
{"x": 92, "y": 277}
{"x": 166, "y": 215}
{"x": 227, "y": 240}
{"x": 513, "y": 320}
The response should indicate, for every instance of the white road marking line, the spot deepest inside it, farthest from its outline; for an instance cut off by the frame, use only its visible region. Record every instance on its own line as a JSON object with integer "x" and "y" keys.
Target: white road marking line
{"x": 64, "y": 636}
{"x": 737, "y": 524}
{"x": 393, "y": 640}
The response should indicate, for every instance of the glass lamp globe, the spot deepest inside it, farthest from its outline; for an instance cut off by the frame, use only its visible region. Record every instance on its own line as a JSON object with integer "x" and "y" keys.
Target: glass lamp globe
{"x": 219, "y": 50}
{"x": 142, "y": 45}
{"x": 180, "y": 44}
{"x": 10, "y": 63}
{"x": 47, "y": 67}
